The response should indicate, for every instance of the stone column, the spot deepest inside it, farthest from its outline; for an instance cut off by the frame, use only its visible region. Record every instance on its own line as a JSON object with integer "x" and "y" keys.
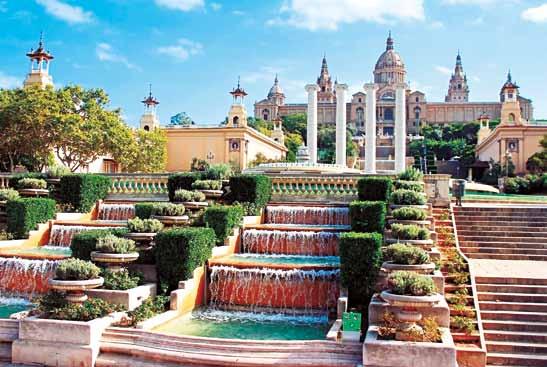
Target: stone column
{"x": 370, "y": 129}
{"x": 400, "y": 128}
{"x": 312, "y": 90}
{"x": 341, "y": 124}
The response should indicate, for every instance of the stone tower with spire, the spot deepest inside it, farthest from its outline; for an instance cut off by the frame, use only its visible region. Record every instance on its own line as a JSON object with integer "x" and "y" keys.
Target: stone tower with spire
{"x": 458, "y": 90}
{"x": 39, "y": 66}
{"x": 324, "y": 81}
{"x": 149, "y": 120}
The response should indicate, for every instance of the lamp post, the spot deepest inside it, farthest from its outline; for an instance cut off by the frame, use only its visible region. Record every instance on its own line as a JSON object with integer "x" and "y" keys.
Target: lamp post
{"x": 507, "y": 156}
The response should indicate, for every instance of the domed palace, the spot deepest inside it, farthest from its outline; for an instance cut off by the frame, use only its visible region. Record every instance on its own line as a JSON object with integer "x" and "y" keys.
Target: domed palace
{"x": 389, "y": 71}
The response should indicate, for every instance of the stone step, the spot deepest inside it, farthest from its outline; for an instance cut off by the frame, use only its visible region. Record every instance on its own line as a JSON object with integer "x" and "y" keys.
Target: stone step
{"x": 492, "y": 218}
{"x": 502, "y": 228}
{"x": 513, "y": 325}
{"x": 515, "y": 347}
{"x": 513, "y": 315}
{"x": 487, "y": 238}
{"x": 486, "y": 223}
{"x": 496, "y": 244}
{"x": 501, "y": 280}
{"x": 521, "y": 359}
{"x": 506, "y": 257}
{"x": 503, "y": 250}
{"x": 513, "y": 306}
{"x": 505, "y": 232}
{"x": 500, "y": 209}
{"x": 516, "y": 336}
{"x": 512, "y": 297}
{"x": 512, "y": 288}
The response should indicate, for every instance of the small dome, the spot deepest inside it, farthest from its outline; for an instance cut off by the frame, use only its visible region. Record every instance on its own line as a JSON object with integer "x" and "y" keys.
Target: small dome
{"x": 275, "y": 89}
{"x": 390, "y": 58}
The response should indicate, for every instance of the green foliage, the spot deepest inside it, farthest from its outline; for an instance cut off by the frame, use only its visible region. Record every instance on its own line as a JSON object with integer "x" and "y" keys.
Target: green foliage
{"x": 360, "y": 261}
{"x": 120, "y": 280}
{"x": 411, "y": 174}
{"x": 14, "y": 181}
{"x": 409, "y": 232}
{"x": 256, "y": 189}
{"x": 293, "y": 141}
{"x": 219, "y": 171}
{"x": 115, "y": 245}
{"x": 462, "y": 323}
{"x": 143, "y": 210}
{"x": 168, "y": 210}
{"x": 296, "y": 123}
{"x": 57, "y": 171}
{"x": 207, "y": 185}
{"x": 31, "y": 183}
{"x": 223, "y": 219}
{"x": 182, "y": 195}
{"x": 91, "y": 309}
{"x": 181, "y": 250}
{"x": 146, "y": 152}
{"x": 406, "y": 254}
{"x": 182, "y": 180}
{"x": 149, "y": 308}
{"x": 497, "y": 170}
{"x": 76, "y": 269}
{"x": 86, "y": 242}
{"x": 374, "y": 188}
{"x": 408, "y": 185}
{"x": 8, "y": 194}
{"x": 326, "y": 141}
{"x": 407, "y": 283}
{"x": 367, "y": 216}
{"x": 529, "y": 184}
{"x": 408, "y": 197}
{"x": 409, "y": 213}
{"x": 199, "y": 165}
{"x": 138, "y": 225}
{"x": 24, "y": 215}
{"x": 83, "y": 190}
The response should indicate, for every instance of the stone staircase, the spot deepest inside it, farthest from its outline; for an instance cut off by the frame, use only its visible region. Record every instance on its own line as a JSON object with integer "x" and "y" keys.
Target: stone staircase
{"x": 514, "y": 320}
{"x": 502, "y": 232}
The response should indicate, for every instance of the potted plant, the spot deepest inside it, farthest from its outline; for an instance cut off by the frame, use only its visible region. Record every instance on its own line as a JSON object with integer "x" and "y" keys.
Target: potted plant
{"x": 114, "y": 252}
{"x": 143, "y": 230}
{"x": 32, "y": 187}
{"x": 407, "y": 258}
{"x": 410, "y": 234}
{"x": 219, "y": 171}
{"x": 211, "y": 188}
{"x": 411, "y": 174}
{"x": 417, "y": 186}
{"x": 403, "y": 197}
{"x": 54, "y": 173}
{"x": 169, "y": 214}
{"x": 409, "y": 215}
{"x": 74, "y": 276}
{"x": 191, "y": 199}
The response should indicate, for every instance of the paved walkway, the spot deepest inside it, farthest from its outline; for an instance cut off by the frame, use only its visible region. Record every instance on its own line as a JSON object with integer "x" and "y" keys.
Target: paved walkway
{"x": 509, "y": 268}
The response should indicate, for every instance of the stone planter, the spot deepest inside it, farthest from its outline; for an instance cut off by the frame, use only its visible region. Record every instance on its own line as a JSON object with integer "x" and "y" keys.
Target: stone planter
{"x": 114, "y": 262}
{"x": 390, "y": 266}
{"x": 75, "y": 289}
{"x": 129, "y": 299}
{"x": 145, "y": 237}
{"x": 422, "y": 223}
{"x": 195, "y": 205}
{"x": 171, "y": 221}
{"x": 212, "y": 194}
{"x": 33, "y": 192}
{"x": 426, "y": 244}
{"x": 53, "y": 181}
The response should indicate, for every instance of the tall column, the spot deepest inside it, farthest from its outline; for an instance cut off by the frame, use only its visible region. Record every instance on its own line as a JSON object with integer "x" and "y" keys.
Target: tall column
{"x": 341, "y": 90}
{"x": 400, "y": 128}
{"x": 312, "y": 90}
{"x": 370, "y": 129}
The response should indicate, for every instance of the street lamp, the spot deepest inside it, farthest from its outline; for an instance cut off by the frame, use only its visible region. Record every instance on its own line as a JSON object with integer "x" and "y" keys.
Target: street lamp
{"x": 507, "y": 156}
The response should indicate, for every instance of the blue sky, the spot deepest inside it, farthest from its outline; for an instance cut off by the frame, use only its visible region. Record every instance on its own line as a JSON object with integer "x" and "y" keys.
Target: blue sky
{"x": 192, "y": 51}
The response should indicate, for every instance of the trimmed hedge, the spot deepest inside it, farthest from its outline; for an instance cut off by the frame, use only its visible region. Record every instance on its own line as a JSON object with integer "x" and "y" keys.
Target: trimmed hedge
{"x": 360, "y": 261}
{"x": 183, "y": 180}
{"x": 85, "y": 242}
{"x": 409, "y": 232}
{"x": 24, "y": 215}
{"x": 409, "y": 185}
{"x": 409, "y": 213}
{"x": 255, "y": 189}
{"x": 14, "y": 181}
{"x": 408, "y": 197}
{"x": 179, "y": 251}
{"x": 143, "y": 210}
{"x": 223, "y": 219}
{"x": 83, "y": 190}
{"x": 374, "y": 188}
{"x": 367, "y": 216}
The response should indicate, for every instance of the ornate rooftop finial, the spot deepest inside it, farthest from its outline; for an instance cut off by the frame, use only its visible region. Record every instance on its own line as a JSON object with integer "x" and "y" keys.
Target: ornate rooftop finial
{"x": 238, "y": 92}
{"x": 509, "y": 78}
{"x": 150, "y": 101}
{"x": 389, "y": 42}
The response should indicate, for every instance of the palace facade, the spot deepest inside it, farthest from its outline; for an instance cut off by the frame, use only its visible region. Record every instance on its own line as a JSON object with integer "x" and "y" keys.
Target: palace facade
{"x": 389, "y": 71}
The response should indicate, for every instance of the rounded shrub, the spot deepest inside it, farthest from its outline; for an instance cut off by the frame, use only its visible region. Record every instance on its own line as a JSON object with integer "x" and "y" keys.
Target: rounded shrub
{"x": 138, "y": 225}
{"x": 58, "y": 171}
{"x": 183, "y": 195}
{"x": 120, "y": 280}
{"x": 409, "y": 232}
{"x": 76, "y": 269}
{"x": 374, "y": 188}
{"x": 407, "y": 283}
{"x": 409, "y": 213}
{"x": 411, "y": 174}
{"x": 409, "y": 185}
{"x": 168, "y": 210}
{"x": 32, "y": 183}
{"x": 219, "y": 171}
{"x": 207, "y": 185}
{"x": 403, "y": 254}
{"x": 408, "y": 197}
{"x": 8, "y": 194}
{"x": 115, "y": 245}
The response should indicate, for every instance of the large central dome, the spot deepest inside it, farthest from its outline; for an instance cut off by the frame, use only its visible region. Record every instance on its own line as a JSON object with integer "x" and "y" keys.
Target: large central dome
{"x": 390, "y": 67}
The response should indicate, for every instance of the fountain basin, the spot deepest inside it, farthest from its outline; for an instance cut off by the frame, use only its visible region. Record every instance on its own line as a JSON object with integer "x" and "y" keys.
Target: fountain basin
{"x": 9, "y": 306}
{"x": 286, "y": 262}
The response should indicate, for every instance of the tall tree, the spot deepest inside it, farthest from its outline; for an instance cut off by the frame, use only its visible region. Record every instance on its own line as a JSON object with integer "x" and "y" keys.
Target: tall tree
{"x": 147, "y": 153}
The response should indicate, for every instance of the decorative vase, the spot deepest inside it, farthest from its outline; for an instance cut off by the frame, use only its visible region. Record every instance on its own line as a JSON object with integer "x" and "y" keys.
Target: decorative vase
{"x": 75, "y": 289}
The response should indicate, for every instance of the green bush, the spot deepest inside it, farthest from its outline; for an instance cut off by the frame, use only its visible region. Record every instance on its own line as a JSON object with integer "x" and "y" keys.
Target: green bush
{"x": 111, "y": 244}
{"x": 143, "y": 210}
{"x": 409, "y": 232}
{"x": 411, "y": 174}
{"x": 408, "y": 197}
{"x": 407, "y": 283}
{"x": 91, "y": 309}
{"x": 149, "y": 308}
{"x": 187, "y": 195}
{"x": 24, "y": 215}
{"x": 83, "y": 190}
{"x": 409, "y": 213}
{"x": 223, "y": 220}
{"x": 183, "y": 180}
{"x": 14, "y": 181}
{"x": 58, "y": 171}
{"x": 374, "y": 188}
{"x": 367, "y": 216}
{"x": 255, "y": 189}
{"x": 179, "y": 251}
{"x": 408, "y": 185}
{"x": 360, "y": 261}
{"x": 207, "y": 185}
{"x": 8, "y": 194}
{"x": 168, "y": 210}
{"x": 219, "y": 171}
{"x": 406, "y": 254}
{"x": 86, "y": 242}
{"x": 138, "y": 225}
{"x": 121, "y": 280}
{"x": 76, "y": 269}
{"x": 31, "y": 183}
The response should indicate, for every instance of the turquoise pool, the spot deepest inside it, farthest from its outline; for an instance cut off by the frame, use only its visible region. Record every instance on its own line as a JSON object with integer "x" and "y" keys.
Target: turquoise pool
{"x": 9, "y": 306}
{"x": 286, "y": 260}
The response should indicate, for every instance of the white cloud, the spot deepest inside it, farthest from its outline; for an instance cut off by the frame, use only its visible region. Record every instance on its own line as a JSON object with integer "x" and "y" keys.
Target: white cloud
{"x": 8, "y": 81}
{"x": 182, "y": 50}
{"x": 443, "y": 70}
{"x": 238, "y": 12}
{"x": 182, "y": 5}
{"x": 216, "y": 6}
{"x": 105, "y": 52}
{"x": 536, "y": 15}
{"x": 479, "y": 2}
{"x": 436, "y": 24}
{"x": 69, "y": 13}
{"x": 327, "y": 14}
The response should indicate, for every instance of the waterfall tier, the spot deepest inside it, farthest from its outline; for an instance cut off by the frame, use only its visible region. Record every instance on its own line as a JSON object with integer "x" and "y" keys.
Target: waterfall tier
{"x": 290, "y": 242}
{"x": 307, "y": 215}
{"x": 116, "y": 212}
{"x": 61, "y": 235}
{"x": 25, "y": 277}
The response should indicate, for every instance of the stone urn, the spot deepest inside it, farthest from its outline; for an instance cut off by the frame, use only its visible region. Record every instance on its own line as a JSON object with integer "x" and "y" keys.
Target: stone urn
{"x": 212, "y": 194}
{"x": 390, "y": 266}
{"x": 114, "y": 262}
{"x": 33, "y": 192}
{"x": 172, "y": 220}
{"x": 195, "y": 205}
{"x": 75, "y": 289}
{"x": 141, "y": 237}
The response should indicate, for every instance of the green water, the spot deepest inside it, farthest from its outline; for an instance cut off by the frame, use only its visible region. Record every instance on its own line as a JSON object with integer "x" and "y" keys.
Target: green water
{"x": 41, "y": 251}
{"x": 285, "y": 260}
{"x": 9, "y": 306}
{"x": 246, "y": 325}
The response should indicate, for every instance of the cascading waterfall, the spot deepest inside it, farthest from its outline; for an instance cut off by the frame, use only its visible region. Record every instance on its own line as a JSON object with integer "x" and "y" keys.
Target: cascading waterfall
{"x": 61, "y": 235}
{"x": 307, "y": 215}
{"x": 290, "y": 242}
{"x": 116, "y": 212}
{"x": 286, "y": 291}
{"x": 25, "y": 277}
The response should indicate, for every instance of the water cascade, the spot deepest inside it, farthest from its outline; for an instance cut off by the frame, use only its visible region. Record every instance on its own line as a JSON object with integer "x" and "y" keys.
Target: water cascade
{"x": 311, "y": 215}
{"x": 62, "y": 235}
{"x": 25, "y": 277}
{"x": 290, "y": 242}
{"x": 117, "y": 212}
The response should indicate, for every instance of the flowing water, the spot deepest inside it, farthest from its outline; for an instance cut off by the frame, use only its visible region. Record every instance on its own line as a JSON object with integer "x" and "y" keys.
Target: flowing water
{"x": 283, "y": 260}
{"x": 314, "y": 215}
{"x": 116, "y": 212}
{"x": 61, "y": 235}
{"x": 11, "y": 305}
{"x": 290, "y": 242}
{"x": 25, "y": 277}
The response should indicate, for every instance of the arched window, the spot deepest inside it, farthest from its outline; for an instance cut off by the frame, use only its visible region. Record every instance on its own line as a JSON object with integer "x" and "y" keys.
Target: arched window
{"x": 388, "y": 114}
{"x": 146, "y": 128}
{"x": 360, "y": 112}
{"x": 417, "y": 112}
{"x": 266, "y": 114}
{"x": 459, "y": 86}
{"x": 360, "y": 100}
{"x": 511, "y": 117}
{"x": 235, "y": 121}
{"x": 417, "y": 99}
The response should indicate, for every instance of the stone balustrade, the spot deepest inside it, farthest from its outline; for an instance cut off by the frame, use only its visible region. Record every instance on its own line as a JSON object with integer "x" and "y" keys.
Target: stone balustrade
{"x": 135, "y": 184}
{"x": 4, "y": 180}
{"x": 315, "y": 185}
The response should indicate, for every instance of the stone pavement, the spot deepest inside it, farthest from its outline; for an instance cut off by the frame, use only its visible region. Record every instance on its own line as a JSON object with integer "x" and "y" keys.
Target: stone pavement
{"x": 509, "y": 268}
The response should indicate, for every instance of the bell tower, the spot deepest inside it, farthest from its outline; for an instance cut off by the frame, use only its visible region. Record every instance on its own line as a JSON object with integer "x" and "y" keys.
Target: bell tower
{"x": 39, "y": 67}
{"x": 510, "y": 105}
{"x": 149, "y": 120}
{"x": 458, "y": 90}
{"x": 237, "y": 116}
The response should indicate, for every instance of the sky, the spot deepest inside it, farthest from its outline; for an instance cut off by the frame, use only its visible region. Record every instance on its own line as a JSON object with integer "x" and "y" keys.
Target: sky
{"x": 193, "y": 51}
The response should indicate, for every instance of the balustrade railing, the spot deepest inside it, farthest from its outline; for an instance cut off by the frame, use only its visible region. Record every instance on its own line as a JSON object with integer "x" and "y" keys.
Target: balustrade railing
{"x": 138, "y": 184}
{"x": 314, "y": 185}
{"x": 4, "y": 180}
